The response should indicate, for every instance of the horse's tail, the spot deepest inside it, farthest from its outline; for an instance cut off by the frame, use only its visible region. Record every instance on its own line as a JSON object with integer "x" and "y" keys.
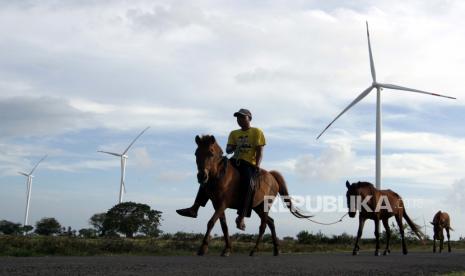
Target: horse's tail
{"x": 285, "y": 196}
{"x": 415, "y": 227}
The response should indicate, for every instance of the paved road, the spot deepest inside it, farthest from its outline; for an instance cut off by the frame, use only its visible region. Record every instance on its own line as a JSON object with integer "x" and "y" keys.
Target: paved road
{"x": 315, "y": 264}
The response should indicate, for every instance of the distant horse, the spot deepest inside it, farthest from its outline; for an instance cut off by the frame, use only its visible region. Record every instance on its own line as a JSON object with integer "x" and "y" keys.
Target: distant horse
{"x": 378, "y": 205}
{"x": 441, "y": 221}
{"x": 222, "y": 184}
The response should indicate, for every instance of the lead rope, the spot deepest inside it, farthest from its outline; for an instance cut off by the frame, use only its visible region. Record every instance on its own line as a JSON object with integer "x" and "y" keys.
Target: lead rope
{"x": 331, "y": 223}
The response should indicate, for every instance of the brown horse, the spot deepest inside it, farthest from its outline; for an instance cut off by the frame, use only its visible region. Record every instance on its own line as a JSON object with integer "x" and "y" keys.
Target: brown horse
{"x": 440, "y": 222}
{"x": 378, "y": 205}
{"x": 222, "y": 184}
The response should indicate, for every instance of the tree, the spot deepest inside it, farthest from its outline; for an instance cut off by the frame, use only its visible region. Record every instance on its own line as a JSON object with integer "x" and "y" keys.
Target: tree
{"x": 68, "y": 232}
{"x": 88, "y": 233}
{"x": 96, "y": 221}
{"x": 129, "y": 218}
{"x": 10, "y": 228}
{"x": 305, "y": 237}
{"x": 26, "y": 229}
{"x": 48, "y": 226}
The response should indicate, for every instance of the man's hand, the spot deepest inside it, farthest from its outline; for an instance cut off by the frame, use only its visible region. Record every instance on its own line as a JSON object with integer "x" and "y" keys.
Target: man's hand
{"x": 230, "y": 148}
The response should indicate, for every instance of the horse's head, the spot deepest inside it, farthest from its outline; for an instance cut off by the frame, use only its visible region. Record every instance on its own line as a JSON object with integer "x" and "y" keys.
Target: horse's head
{"x": 437, "y": 226}
{"x": 437, "y": 231}
{"x": 352, "y": 194}
{"x": 207, "y": 156}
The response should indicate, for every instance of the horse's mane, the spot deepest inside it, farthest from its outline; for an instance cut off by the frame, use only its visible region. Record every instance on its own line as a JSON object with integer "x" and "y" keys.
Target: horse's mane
{"x": 209, "y": 139}
{"x": 365, "y": 185}
{"x": 437, "y": 217}
{"x": 205, "y": 137}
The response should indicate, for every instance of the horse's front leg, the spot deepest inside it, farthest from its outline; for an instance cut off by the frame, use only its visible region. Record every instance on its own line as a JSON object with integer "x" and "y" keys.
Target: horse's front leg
{"x": 377, "y": 236}
{"x": 204, "y": 247}
{"x": 448, "y": 239}
{"x": 224, "y": 226}
{"x": 434, "y": 244}
{"x": 388, "y": 236}
{"x": 402, "y": 235}
{"x": 361, "y": 223}
{"x": 441, "y": 241}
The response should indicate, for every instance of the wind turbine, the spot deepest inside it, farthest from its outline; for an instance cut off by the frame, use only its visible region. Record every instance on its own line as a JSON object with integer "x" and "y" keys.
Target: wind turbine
{"x": 379, "y": 87}
{"x": 29, "y": 186}
{"x": 124, "y": 157}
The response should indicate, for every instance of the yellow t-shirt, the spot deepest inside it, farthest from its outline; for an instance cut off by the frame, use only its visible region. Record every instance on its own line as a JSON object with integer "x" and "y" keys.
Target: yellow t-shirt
{"x": 246, "y": 143}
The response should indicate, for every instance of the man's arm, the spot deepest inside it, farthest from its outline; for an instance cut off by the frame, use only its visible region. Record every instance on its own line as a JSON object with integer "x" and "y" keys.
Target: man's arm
{"x": 230, "y": 148}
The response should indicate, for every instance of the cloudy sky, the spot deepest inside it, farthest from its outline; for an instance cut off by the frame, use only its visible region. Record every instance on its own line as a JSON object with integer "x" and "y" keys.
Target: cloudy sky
{"x": 82, "y": 76}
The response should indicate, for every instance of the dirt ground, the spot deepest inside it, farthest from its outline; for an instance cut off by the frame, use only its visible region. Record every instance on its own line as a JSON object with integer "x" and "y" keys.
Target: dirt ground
{"x": 304, "y": 264}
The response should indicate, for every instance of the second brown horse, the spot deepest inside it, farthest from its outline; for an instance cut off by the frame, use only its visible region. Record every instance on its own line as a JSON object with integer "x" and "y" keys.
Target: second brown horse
{"x": 378, "y": 205}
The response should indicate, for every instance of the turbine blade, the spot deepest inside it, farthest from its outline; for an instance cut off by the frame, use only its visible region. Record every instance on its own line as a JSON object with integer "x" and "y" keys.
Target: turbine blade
{"x": 372, "y": 63}
{"x": 33, "y": 169}
{"x": 112, "y": 153}
{"x": 397, "y": 87}
{"x": 359, "y": 98}
{"x": 133, "y": 141}
{"x": 23, "y": 173}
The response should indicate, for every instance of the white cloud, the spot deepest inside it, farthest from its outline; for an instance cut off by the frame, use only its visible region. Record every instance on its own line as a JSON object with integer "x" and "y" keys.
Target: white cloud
{"x": 336, "y": 161}
{"x": 417, "y": 141}
{"x": 174, "y": 176}
{"x": 141, "y": 158}
{"x": 418, "y": 159}
{"x": 39, "y": 116}
{"x": 22, "y": 157}
{"x": 455, "y": 196}
{"x": 82, "y": 165}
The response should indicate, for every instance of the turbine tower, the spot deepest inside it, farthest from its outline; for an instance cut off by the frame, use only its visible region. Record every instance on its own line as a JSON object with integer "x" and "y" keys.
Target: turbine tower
{"x": 379, "y": 87}
{"x": 29, "y": 187}
{"x": 123, "y": 156}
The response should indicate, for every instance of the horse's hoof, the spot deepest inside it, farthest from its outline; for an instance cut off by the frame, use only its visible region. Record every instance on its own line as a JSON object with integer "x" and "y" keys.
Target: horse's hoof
{"x": 405, "y": 252}
{"x": 354, "y": 253}
{"x": 201, "y": 252}
{"x": 252, "y": 253}
{"x": 225, "y": 253}
{"x": 377, "y": 253}
{"x": 275, "y": 252}
{"x": 386, "y": 252}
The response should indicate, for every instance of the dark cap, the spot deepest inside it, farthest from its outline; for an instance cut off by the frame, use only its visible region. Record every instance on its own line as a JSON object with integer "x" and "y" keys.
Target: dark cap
{"x": 244, "y": 112}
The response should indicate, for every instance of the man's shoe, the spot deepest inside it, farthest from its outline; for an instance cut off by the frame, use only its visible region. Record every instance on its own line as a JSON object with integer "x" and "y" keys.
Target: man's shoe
{"x": 187, "y": 212}
{"x": 240, "y": 223}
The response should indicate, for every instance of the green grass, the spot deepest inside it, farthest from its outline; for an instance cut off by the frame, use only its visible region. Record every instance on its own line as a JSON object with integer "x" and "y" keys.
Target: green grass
{"x": 455, "y": 273}
{"x": 175, "y": 245}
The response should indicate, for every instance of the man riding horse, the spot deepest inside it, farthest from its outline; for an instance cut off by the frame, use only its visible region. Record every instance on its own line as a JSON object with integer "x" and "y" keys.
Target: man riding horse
{"x": 247, "y": 145}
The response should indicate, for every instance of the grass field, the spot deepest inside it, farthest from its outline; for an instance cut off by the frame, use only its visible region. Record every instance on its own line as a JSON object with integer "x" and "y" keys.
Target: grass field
{"x": 179, "y": 244}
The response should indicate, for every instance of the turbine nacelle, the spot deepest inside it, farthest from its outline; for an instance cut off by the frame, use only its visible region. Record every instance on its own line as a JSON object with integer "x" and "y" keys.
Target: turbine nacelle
{"x": 25, "y": 174}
